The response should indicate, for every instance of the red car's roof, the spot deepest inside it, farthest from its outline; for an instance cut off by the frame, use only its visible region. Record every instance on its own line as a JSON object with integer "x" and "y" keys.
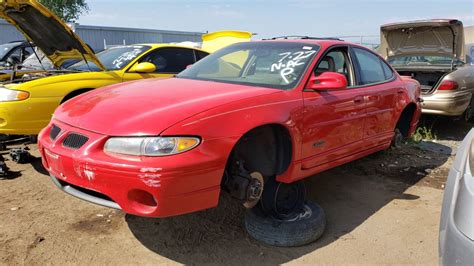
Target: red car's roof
{"x": 321, "y": 42}
{"x": 312, "y": 41}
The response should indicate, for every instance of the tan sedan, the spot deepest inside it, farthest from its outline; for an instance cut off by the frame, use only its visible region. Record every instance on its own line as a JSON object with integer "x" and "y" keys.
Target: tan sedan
{"x": 434, "y": 53}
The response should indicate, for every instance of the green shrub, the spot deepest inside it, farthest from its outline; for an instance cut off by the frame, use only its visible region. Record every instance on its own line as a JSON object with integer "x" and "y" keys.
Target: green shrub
{"x": 423, "y": 133}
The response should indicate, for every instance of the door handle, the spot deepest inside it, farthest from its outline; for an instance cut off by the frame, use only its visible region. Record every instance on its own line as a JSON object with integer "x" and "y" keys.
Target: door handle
{"x": 359, "y": 100}
{"x": 373, "y": 98}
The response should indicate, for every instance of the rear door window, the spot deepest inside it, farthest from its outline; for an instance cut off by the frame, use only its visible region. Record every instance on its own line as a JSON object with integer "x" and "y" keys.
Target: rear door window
{"x": 371, "y": 69}
{"x": 170, "y": 60}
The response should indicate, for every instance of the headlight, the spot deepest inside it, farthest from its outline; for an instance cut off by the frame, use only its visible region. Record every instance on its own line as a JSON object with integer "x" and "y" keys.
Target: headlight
{"x": 150, "y": 146}
{"x": 7, "y": 95}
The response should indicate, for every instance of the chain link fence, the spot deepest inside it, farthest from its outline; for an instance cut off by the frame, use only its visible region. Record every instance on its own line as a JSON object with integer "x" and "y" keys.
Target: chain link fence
{"x": 370, "y": 41}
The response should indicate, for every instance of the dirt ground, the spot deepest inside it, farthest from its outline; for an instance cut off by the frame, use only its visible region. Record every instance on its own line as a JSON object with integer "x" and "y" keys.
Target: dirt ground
{"x": 381, "y": 209}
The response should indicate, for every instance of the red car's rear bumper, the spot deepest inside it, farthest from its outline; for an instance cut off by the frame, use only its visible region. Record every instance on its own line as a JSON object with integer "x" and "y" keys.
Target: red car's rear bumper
{"x": 144, "y": 186}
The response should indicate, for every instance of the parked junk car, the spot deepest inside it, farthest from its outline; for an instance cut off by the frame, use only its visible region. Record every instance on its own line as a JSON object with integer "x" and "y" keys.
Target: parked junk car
{"x": 252, "y": 119}
{"x": 26, "y": 106}
{"x": 432, "y": 52}
{"x": 456, "y": 236}
{"x": 36, "y": 63}
{"x": 470, "y": 54}
{"x": 14, "y": 53}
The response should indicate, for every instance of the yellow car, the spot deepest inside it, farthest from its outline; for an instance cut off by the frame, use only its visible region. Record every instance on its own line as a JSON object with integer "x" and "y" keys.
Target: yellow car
{"x": 25, "y": 108}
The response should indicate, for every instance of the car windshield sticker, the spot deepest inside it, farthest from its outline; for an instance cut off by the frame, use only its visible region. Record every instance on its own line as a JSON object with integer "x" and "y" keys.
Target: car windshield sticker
{"x": 125, "y": 57}
{"x": 289, "y": 61}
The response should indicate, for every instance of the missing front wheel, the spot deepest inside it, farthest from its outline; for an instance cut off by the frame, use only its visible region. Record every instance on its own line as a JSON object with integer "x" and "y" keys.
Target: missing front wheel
{"x": 244, "y": 186}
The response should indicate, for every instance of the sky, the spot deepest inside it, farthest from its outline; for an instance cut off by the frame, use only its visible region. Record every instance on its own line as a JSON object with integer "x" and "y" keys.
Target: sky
{"x": 273, "y": 18}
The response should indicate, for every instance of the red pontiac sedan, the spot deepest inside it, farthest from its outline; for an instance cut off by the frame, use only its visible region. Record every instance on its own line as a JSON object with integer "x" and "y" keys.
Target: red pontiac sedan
{"x": 252, "y": 119}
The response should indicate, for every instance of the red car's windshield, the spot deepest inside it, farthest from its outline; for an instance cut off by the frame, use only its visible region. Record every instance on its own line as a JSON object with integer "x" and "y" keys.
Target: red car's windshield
{"x": 277, "y": 65}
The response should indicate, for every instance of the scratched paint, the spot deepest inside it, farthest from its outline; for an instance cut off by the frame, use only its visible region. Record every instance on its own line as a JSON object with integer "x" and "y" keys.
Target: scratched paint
{"x": 152, "y": 183}
{"x": 77, "y": 169}
{"x": 151, "y": 176}
{"x": 150, "y": 170}
{"x": 89, "y": 173}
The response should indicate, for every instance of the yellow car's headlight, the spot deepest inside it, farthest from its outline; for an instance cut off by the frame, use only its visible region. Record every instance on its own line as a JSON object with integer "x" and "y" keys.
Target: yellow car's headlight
{"x": 150, "y": 146}
{"x": 7, "y": 95}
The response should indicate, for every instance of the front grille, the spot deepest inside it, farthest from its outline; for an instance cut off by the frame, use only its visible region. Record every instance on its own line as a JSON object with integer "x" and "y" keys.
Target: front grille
{"x": 55, "y": 130}
{"x": 75, "y": 141}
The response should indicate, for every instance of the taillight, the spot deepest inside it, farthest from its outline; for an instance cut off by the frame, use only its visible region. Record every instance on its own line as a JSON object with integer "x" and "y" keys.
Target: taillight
{"x": 448, "y": 85}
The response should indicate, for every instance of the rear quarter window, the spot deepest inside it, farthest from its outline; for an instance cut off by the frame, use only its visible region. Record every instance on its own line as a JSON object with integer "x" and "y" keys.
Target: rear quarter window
{"x": 200, "y": 55}
{"x": 387, "y": 70}
{"x": 170, "y": 59}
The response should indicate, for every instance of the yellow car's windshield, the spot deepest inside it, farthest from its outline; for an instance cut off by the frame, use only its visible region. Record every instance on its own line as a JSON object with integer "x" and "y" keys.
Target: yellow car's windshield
{"x": 115, "y": 58}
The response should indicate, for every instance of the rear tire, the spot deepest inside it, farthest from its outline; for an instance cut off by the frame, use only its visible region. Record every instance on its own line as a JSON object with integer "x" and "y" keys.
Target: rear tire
{"x": 397, "y": 139}
{"x": 303, "y": 229}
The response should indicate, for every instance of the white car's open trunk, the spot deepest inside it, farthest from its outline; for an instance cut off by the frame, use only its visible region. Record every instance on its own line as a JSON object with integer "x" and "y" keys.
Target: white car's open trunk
{"x": 425, "y": 50}
{"x": 428, "y": 79}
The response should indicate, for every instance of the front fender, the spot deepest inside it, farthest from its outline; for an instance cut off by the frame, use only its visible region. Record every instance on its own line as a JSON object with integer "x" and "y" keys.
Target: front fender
{"x": 233, "y": 120}
{"x": 31, "y": 115}
{"x": 61, "y": 85}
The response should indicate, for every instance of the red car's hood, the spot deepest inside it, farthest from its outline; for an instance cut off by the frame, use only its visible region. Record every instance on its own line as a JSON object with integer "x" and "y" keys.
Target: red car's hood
{"x": 148, "y": 107}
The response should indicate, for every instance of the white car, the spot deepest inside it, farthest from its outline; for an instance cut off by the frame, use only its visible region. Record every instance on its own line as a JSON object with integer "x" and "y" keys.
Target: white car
{"x": 456, "y": 236}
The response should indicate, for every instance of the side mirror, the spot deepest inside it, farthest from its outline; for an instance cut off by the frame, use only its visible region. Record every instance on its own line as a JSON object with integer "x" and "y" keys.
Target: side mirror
{"x": 327, "y": 81}
{"x": 144, "y": 67}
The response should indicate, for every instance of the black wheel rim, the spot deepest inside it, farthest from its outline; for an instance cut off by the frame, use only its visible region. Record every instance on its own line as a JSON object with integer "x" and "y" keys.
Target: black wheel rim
{"x": 287, "y": 199}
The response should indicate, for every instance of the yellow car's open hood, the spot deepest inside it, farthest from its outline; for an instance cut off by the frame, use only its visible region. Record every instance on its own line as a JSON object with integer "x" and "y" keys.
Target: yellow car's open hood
{"x": 46, "y": 31}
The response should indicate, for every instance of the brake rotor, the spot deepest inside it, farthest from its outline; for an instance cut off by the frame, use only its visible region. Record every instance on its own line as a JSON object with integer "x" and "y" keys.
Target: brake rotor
{"x": 254, "y": 190}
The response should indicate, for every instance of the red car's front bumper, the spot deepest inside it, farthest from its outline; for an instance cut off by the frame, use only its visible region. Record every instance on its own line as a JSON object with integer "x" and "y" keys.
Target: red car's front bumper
{"x": 144, "y": 186}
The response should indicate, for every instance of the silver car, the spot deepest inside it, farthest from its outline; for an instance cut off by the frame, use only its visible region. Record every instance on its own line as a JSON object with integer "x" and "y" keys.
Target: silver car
{"x": 470, "y": 53}
{"x": 456, "y": 235}
{"x": 434, "y": 53}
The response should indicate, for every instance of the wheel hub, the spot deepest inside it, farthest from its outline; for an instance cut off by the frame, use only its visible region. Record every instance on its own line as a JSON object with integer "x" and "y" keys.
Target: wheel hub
{"x": 254, "y": 190}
